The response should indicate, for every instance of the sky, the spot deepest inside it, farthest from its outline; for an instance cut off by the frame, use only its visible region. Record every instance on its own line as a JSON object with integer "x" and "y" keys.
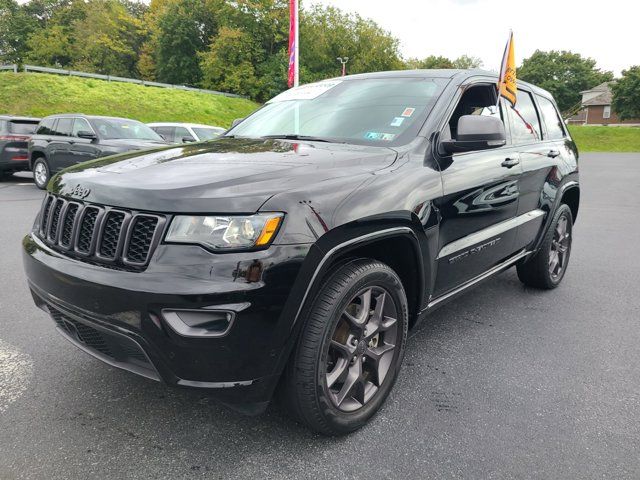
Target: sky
{"x": 607, "y": 31}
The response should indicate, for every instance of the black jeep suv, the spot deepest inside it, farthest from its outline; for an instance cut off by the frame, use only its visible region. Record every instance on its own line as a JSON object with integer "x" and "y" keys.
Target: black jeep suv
{"x": 15, "y": 132}
{"x": 65, "y": 140}
{"x": 298, "y": 249}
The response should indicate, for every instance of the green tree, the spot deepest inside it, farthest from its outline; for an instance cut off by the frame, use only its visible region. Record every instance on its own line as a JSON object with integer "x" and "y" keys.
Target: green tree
{"x": 626, "y": 94}
{"x": 228, "y": 65}
{"x": 184, "y": 30}
{"x": 432, "y": 61}
{"x": 15, "y": 27}
{"x": 327, "y": 33}
{"x": 564, "y": 74}
{"x": 108, "y": 39}
{"x": 50, "y": 47}
{"x": 466, "y": 62}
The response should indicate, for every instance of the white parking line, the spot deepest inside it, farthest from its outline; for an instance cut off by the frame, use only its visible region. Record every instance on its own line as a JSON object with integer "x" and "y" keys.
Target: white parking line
{"x": 16, "y": 371}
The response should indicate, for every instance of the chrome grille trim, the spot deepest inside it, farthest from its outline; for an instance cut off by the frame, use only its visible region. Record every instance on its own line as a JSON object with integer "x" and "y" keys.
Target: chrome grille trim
{"x": 98, "y": 234}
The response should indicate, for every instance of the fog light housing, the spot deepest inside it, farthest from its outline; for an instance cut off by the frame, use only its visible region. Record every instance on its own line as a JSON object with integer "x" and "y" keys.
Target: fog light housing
{"x": 199, "y": 323}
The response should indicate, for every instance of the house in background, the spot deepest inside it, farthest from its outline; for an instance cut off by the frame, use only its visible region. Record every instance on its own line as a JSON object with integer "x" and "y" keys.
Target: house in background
{"x": 596, "y": 108}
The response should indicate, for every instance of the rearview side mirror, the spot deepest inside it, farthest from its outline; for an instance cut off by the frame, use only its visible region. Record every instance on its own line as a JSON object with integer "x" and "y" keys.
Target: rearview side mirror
{"x": 87, "y": 134}
{"x": 236, "y": 122}
{"x": 476, "y": 132}
{"x": 188, "y": 139}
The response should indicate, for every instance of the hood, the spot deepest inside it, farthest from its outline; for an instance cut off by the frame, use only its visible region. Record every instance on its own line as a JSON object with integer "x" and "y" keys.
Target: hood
{"x": 223, "y": 176}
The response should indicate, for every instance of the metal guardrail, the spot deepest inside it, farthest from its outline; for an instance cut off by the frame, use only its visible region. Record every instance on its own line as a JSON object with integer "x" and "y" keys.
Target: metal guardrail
{"x": 112, "y": 78}
{"x": 13, "y": 68}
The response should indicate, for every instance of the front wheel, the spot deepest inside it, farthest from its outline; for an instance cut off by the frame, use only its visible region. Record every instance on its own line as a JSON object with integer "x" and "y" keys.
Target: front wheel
{"x": 547, "y": 267}
{"x": 41, "y": 173}
{"x": 350, "y": 351}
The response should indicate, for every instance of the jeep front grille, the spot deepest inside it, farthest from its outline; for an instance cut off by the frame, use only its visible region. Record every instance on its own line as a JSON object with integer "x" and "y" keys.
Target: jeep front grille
{"x": 108, "y": 236}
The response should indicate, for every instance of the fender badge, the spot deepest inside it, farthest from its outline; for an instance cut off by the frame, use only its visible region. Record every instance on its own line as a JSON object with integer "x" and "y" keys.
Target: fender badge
{"x": 80, "y": 191}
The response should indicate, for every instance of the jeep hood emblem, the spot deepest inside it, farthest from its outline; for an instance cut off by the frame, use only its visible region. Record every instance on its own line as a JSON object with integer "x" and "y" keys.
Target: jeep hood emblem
{"x": 80, "y": 191}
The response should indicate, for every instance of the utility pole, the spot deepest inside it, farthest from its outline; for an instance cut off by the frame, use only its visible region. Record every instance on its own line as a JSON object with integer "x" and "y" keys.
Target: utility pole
{"x": 343, "y": 61}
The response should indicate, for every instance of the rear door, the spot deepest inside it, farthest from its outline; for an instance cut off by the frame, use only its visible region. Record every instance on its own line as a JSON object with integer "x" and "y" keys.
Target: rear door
{"x": 539, "y": 149}
{"x": 59, "y": 149}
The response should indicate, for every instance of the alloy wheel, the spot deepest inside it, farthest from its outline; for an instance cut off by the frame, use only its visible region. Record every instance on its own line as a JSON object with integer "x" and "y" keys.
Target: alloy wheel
{"x": 362, "y": 349}
{"x": 40, "y": 173}
{"x": 560, "y": 246}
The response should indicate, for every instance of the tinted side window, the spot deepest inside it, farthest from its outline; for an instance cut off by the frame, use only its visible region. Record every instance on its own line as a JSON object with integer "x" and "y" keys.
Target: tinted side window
{"x": 22, "y": 127}
{"x": 182, "y": 133}
{"x": 524, "y": 120}
{"x": 64, "y": 127}
{"x": 80, "y": 125}
{"x": 46, "y": 126}
{"x": 551, "y": 119}
{"x": 165, "y": 132}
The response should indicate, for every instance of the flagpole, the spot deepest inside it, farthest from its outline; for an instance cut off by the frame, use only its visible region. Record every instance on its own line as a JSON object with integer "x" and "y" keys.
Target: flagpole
{"x": 296, "y": 75}
{"x": 503, "y": 68}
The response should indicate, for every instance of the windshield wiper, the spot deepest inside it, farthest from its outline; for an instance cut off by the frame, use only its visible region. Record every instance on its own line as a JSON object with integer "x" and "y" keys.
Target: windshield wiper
{"x": 309, "y": 138}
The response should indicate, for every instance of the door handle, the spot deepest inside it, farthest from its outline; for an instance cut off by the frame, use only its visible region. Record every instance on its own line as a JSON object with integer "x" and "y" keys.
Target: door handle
{"x": 553, "y": 153}
{"x": 510, "y": 162}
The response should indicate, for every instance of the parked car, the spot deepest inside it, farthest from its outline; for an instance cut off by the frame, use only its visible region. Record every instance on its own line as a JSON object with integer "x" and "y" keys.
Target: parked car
{"x": 67, "y": 139}
{"x": 186, "y": 132}
{"x": 298, "y": 250}
{"x": 15, "y": 132}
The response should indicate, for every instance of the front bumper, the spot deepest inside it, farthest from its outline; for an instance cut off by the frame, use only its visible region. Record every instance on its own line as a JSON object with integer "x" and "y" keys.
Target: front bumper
{"x": 121, "y": 316}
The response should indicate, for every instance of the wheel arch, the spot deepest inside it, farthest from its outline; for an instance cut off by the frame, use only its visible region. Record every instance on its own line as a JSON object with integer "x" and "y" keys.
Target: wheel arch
{"x": 571, "y": 196}
{"x": 568, "y": 193}
{"x": 35, "y": 154}
{"x": 372, "y": 244}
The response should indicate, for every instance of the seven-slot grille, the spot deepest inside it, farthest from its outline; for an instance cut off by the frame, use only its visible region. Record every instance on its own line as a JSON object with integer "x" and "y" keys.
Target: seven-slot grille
{"x": 107, "y": 235}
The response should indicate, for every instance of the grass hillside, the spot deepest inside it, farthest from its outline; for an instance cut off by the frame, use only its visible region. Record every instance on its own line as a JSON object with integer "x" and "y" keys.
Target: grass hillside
{"x": 39, "y": 94}
{"x": 606, "y": 139}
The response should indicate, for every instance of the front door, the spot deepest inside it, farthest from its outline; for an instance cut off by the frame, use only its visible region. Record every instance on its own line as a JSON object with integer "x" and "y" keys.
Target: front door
{"x": 83, "y": 149}
{"x": 478, "y": 209}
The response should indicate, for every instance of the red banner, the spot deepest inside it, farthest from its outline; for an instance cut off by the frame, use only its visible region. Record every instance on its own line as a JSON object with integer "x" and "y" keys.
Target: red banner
{"x": 293, "y": 23}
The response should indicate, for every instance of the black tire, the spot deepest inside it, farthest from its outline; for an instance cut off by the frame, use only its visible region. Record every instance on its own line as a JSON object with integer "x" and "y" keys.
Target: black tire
{"x": 41, "y": 180}
{"x": 539, "y": 270}
{"x": 307, "y": 392}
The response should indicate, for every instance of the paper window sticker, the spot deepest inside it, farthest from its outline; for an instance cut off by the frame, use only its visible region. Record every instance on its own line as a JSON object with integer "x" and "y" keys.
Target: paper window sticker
{"x": 373, "y": 136}
{"x": 306, "y": 92}
{"x": 408, "y": 112}
{"x": 396, "y": 122}
{"x": 387, "y": 137}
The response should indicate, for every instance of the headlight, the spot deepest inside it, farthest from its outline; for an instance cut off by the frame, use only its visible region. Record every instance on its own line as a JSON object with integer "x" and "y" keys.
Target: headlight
{"x": 225, "y": 233}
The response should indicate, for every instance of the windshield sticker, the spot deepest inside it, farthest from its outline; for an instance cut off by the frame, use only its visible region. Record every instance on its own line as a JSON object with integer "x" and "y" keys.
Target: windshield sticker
{"x": 385, "y": 137}
{"x": 408, "y": 112}
{"x": 373, "y": 135}
{"x": 396, "y": 122}
{"x": 305, "y": 92}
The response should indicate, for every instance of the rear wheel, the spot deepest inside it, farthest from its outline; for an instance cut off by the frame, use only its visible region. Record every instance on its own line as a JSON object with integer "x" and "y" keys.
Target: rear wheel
{"x": 351, "y": 349}
{"x": 548, "y": 266}
{"x": 41, "y": 173}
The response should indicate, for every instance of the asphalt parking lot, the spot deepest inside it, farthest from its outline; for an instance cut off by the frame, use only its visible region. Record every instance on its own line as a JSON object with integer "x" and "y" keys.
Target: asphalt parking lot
{"x": 506, "y": 382}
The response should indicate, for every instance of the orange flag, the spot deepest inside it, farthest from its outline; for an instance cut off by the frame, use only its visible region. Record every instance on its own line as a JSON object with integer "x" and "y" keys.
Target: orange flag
{"x": 507, "y": 80}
